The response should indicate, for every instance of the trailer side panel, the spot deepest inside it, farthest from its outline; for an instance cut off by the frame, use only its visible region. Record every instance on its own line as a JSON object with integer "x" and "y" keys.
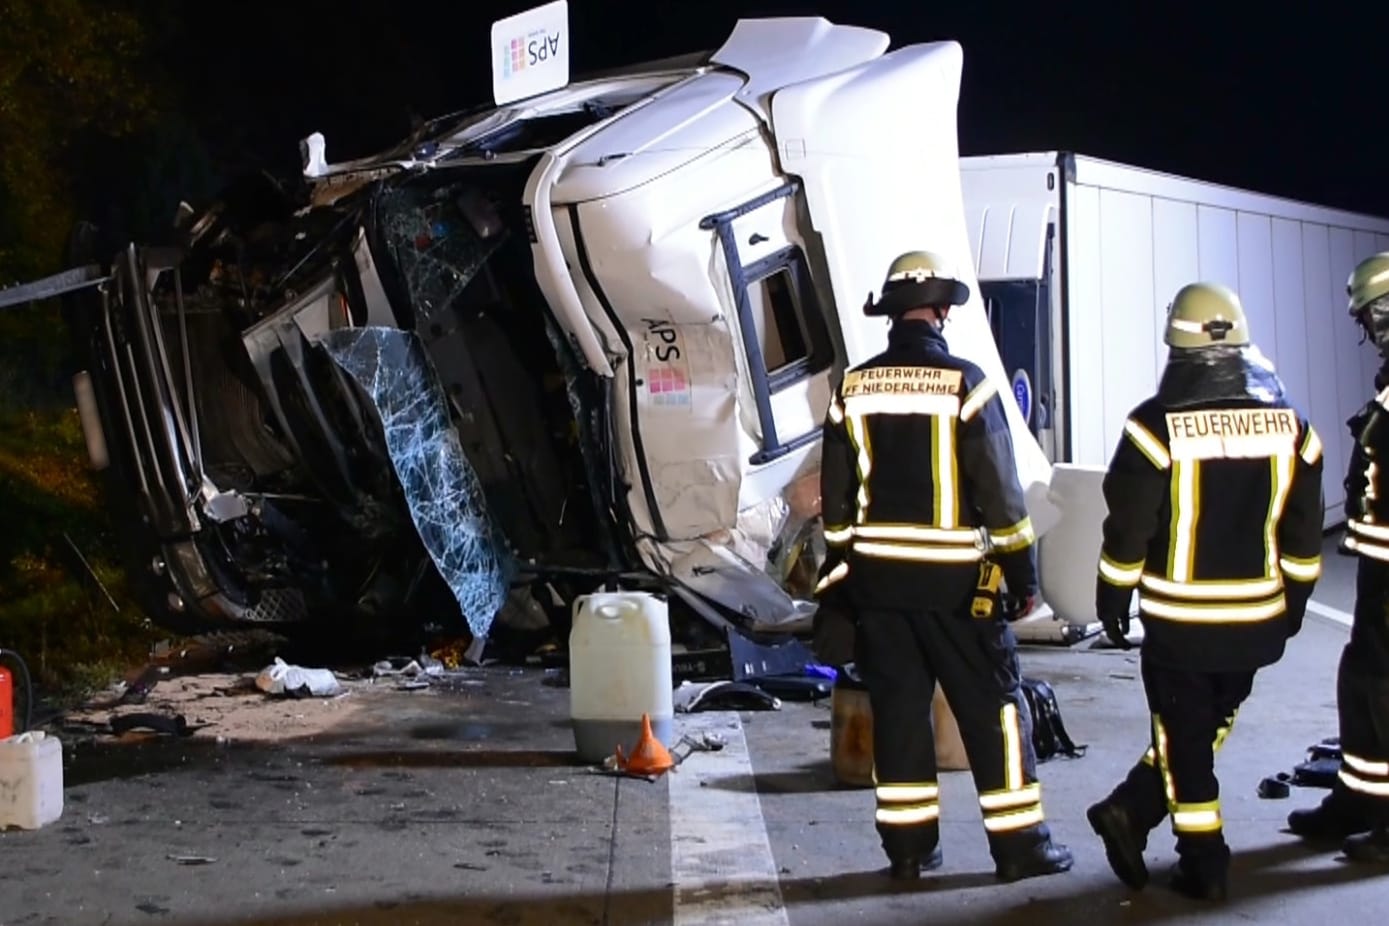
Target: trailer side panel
{"x": 1135, "y": 236}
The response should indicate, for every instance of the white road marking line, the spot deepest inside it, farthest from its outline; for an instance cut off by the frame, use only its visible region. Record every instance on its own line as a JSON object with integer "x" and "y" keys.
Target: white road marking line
{"x": 721, "y": 860}
{"x": 1330, "y": 613}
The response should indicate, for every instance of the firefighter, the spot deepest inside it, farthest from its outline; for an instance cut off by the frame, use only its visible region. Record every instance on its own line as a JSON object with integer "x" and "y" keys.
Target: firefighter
{"x": 1214, "y": 517}
{"x": 1357, "y": 809}
{"x": 924, "y": 516}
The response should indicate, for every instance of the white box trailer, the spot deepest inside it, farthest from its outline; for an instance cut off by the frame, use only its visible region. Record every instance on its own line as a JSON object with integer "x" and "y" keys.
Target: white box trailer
{"x": 1078, "y": 259}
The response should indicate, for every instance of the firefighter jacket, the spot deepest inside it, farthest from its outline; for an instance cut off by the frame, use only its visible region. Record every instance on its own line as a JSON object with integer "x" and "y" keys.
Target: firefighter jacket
{"x": 1215, "y": 517}
{"x": 1367, "y": 523}
{"x": 918, "y": 480}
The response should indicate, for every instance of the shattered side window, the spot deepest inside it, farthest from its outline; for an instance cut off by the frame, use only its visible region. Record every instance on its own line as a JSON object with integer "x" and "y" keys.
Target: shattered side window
{"x": 442, "y": 489}
{"x": 439, "y": 240}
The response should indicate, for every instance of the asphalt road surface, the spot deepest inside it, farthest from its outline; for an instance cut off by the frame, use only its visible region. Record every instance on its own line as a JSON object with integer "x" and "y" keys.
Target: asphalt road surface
{"x": 463, "y": 803}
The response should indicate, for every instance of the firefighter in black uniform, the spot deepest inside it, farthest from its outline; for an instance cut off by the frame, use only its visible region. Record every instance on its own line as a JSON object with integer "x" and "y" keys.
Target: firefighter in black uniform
{"x": 1215, "y": 517}
{"x": 924, "y": 517}
{"x": 1357, "y": 809}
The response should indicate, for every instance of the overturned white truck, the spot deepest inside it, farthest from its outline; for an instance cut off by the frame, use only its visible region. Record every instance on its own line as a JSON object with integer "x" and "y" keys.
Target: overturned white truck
{"x": 588, "y": 335}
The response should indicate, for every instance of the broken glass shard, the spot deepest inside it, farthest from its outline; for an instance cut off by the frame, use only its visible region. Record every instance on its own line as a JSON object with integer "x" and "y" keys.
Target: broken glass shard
{"x": 442, "y": 489}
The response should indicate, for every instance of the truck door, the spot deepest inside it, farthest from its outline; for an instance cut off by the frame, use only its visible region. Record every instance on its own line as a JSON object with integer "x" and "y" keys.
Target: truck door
{"x": 787, "y": 347}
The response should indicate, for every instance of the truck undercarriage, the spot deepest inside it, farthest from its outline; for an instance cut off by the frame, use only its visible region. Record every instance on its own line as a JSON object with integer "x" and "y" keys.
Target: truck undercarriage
{"x": 357, "y": 414}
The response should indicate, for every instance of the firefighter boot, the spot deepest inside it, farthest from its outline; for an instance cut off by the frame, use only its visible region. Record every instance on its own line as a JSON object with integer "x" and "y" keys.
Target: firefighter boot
{"x": 1338, "y": 815}
{"x": 910, "y": 867}
{"x": 1124, "y": 841}
{"x": 1029, "y": 854}
{"x": 1202, "y": 872}
{"x": 1372, "y": 847}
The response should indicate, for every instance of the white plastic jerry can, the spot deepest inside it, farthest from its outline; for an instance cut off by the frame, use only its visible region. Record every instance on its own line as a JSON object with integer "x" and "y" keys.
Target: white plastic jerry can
{"x": 619, "y": 669}
{"x": 31, "y": 780}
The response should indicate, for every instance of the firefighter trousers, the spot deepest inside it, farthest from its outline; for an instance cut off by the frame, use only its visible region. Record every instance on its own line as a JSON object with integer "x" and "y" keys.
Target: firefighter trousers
{"x": 1192, "y": 714}
{"x": 1362, "y": 701}
{"x": 901, "y": 656}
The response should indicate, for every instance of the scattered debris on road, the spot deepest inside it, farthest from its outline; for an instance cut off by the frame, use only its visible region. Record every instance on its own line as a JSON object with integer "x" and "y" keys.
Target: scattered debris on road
{"x": 281, "y": 678}
{"x": 191, "y": 859}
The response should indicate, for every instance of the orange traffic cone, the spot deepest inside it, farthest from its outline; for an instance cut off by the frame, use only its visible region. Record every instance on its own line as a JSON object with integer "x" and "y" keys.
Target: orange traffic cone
{"x": 649, "y": 757}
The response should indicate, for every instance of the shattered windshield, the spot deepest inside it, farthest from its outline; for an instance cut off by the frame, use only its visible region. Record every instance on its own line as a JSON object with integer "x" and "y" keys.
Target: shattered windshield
{"x": 477, "y": 408}
{"x": 439, "y": 240}
{"x": 441, "y": 488}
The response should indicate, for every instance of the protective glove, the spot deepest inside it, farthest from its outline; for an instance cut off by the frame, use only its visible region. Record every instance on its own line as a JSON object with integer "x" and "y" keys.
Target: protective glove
{"x": 834, "y": 630}
{"x": 1116, "y": 628}
{"x": 1019, "y": 606}
{"x": 835, "y": 568}
{"x": 1295, "y": 621}
{"x": 835, "y": 624}
{"x": 1296, "y": 596}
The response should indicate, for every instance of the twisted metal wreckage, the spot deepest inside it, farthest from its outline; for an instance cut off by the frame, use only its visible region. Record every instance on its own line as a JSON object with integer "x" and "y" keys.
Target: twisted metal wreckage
{"x": 584, "y": 336}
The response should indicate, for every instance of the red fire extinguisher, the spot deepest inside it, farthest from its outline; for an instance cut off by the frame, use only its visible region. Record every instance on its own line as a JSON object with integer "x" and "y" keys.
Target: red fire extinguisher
{"x": 6, "y": 703}
{"x": 14, "y": 674}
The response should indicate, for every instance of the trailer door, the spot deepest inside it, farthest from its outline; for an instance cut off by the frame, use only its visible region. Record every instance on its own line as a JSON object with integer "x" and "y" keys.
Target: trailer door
{"x": 1012, "y": 206}
{"x": 1019, "y": 313}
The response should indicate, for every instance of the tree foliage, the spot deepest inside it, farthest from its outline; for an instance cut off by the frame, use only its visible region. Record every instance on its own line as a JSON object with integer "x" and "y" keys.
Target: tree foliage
{"x": 75, "y": 82}
{"x": 70, "y": 71}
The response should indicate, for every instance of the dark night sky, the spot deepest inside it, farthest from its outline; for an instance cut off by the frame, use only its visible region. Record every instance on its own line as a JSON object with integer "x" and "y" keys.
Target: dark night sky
{"x": 1291, "y": 105}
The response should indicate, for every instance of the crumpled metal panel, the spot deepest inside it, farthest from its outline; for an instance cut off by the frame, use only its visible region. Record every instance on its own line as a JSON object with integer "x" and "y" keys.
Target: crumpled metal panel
{"x": 442, "y": 489}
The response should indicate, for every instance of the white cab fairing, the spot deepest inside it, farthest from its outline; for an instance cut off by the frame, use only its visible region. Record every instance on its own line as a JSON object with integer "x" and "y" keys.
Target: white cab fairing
{"x": 711, "y": 247}
{"x": 877, "y": 148}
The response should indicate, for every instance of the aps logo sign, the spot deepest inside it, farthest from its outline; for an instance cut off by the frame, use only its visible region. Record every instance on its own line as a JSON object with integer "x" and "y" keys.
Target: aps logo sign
{"x": 530, "y": 52}
{"x": 525, "y": 51}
